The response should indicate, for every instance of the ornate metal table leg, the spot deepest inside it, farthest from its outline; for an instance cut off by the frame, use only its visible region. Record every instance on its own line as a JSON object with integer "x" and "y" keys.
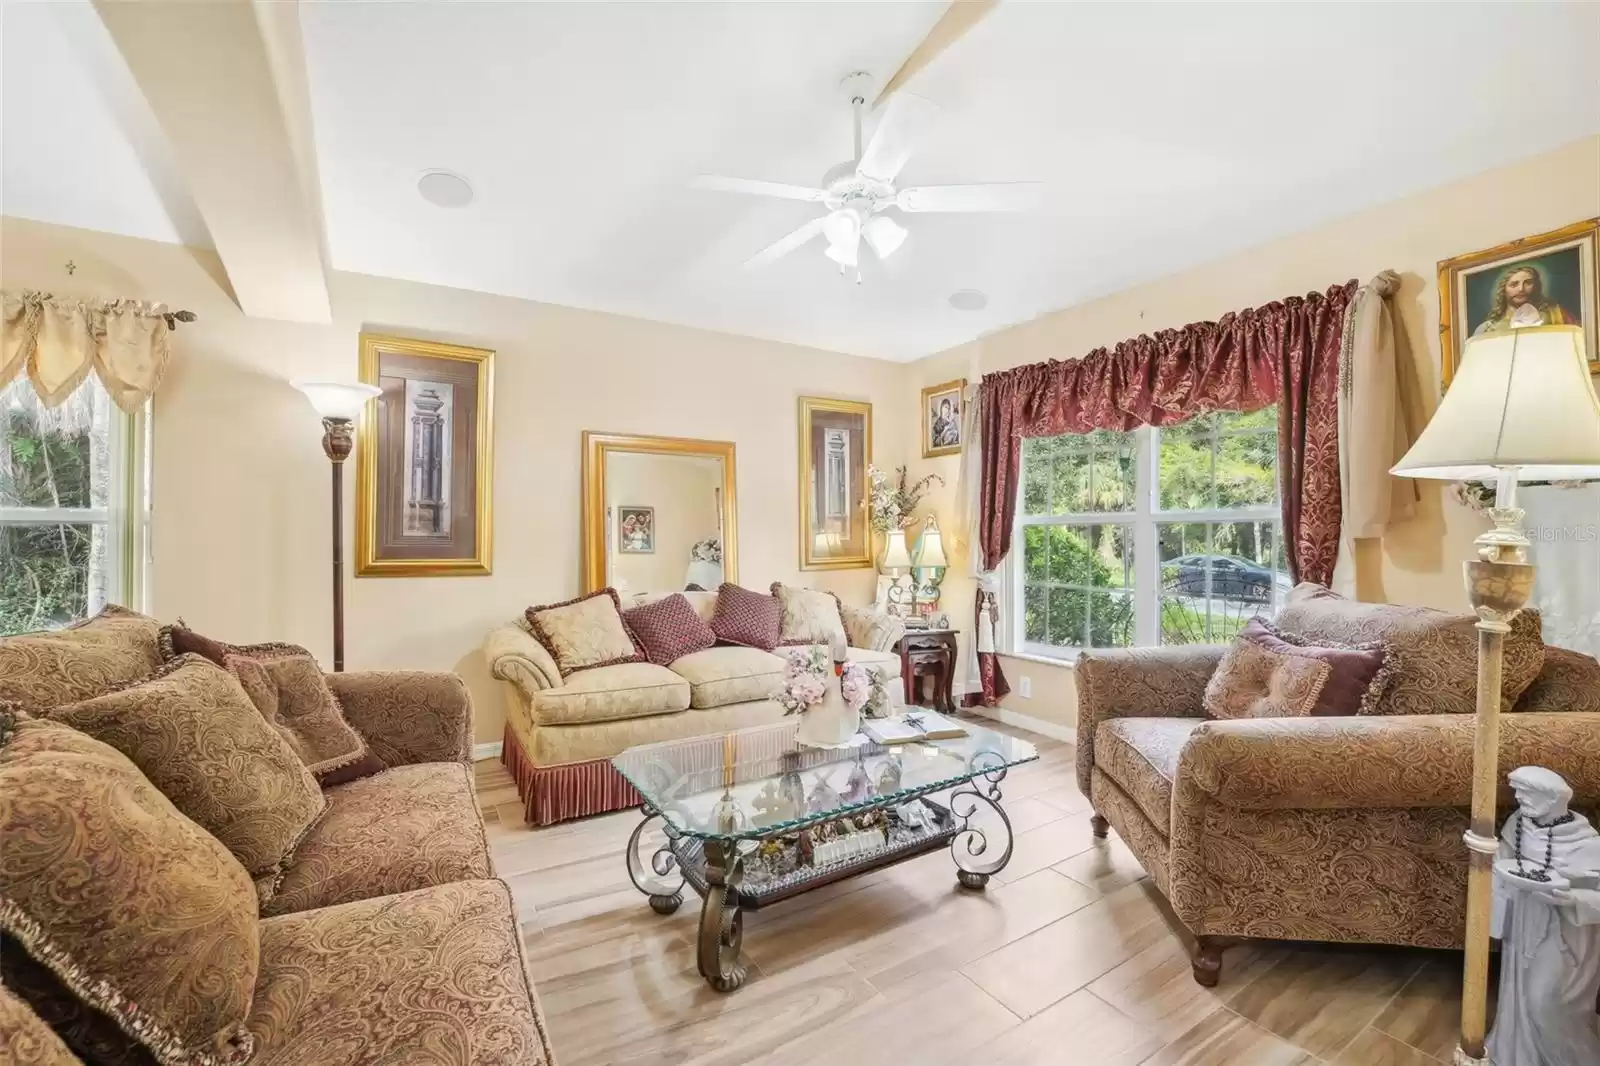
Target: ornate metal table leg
{"x": 978, "y": 858}
{"x": 721, "y": 921}
{"x": 657, "y": 882}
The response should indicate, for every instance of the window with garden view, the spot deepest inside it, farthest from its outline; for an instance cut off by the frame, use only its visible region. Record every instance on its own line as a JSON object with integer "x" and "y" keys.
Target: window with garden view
{"x": 66, "y": 486}
{"x": 1155, "y": 536}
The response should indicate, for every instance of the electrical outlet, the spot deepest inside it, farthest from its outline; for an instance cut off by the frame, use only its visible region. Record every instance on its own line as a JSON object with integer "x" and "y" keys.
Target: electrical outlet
{"x": 1025, "y": 687}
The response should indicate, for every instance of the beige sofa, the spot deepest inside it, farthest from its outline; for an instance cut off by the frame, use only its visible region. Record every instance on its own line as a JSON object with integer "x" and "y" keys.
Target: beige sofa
{"x": 561, "y": 733}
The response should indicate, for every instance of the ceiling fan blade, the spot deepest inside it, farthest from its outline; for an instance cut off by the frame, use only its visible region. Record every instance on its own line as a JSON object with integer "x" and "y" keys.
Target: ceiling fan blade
{"x": 905, "y": 121}
{"x": 757, "y": 188}
{"x": 780, "y": 248}
{"x": 995, "y": 196}
{"x": 957, "y": 19}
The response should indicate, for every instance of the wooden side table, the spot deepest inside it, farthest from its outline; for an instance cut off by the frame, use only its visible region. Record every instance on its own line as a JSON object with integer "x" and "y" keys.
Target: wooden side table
{"x": 929, "y": 653}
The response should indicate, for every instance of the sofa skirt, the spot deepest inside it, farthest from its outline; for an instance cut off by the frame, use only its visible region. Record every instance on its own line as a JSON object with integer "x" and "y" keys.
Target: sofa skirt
{"x": 553, "y": 794}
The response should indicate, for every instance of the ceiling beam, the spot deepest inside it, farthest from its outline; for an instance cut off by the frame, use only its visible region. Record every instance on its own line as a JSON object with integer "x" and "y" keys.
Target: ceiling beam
{"x": 227, "y": 83}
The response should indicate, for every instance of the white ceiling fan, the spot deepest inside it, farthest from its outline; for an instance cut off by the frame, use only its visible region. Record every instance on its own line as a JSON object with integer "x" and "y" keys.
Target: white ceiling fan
{"x": 859, "y": 192}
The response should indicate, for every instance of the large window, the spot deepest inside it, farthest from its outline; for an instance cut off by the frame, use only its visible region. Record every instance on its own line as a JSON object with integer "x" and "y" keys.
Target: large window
{"x": 72, "y": 507}
{"x": 1163, "y": 536}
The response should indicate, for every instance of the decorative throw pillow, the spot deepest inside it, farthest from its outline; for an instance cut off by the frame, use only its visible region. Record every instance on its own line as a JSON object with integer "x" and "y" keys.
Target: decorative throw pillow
{"x": 1267, "y": 674}
{"x": 112, "y": 649}
{"x": 809, "y": 616}
{"x": 286, "y": 684}
{"x": 1569, "y": 681}
{"x": 138, "y": 911}
{"x": 747, "y": 618}
{"x": 668, "y": 629}
{"x": 584, "y": 633}
{"x": 1433, "y": 654}
{"x": 196, "y": 736}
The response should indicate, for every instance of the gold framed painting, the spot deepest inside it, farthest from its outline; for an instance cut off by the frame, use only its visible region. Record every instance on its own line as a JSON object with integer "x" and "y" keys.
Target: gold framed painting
{"x": 426, "y": 468}
{"x": 941, "y": 418}
{"x": 1547, "y": 279}
{"x": 835, "y": 450}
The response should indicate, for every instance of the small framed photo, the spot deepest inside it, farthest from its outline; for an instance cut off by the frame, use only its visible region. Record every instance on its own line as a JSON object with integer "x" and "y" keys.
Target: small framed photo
{"x": 941, "y": 418}
{"x": 636, "y": 530}
{"x": 1547, "y": 279}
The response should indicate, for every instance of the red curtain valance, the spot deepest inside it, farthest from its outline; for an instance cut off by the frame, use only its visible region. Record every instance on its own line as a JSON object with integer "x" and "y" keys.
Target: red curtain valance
{"x": 1286, "y": 352}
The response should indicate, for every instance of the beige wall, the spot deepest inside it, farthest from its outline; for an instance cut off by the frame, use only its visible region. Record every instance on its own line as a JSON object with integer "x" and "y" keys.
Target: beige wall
{"x": 242, "y": 514}
{"x": 1419, "y": 562}
{"x": 683, "y": 491}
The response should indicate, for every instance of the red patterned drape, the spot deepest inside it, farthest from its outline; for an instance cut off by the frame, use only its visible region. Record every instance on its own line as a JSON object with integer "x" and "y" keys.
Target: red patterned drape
{"x": 1286, "y": 352}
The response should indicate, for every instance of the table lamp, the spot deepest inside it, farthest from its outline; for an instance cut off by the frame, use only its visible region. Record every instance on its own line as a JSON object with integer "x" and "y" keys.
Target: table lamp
{"x": 929, "y": 558}
{"x": 896, "y": 562}
{"x": 1521, "y": 408}
{"x": 339, "y": 403}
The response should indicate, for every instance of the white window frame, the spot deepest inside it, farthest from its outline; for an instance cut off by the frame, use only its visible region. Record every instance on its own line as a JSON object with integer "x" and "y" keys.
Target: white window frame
{"x": 1145, "y": 519}
{"x": 126, "y": 515}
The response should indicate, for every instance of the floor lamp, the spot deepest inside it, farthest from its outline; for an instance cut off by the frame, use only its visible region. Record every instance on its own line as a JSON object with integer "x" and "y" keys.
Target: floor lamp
{"x": 1521, "y": 408}
{"x": 339, "y": 403}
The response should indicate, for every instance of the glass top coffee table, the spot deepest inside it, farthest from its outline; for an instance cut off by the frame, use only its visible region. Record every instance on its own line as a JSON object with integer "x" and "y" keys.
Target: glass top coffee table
{"x": 754, "y": 816}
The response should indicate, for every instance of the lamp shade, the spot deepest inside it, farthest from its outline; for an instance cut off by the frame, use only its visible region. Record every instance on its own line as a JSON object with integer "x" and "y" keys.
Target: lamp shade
{"x": 895, "y": 556}
{"x": 930, "y": 549}
{"x": 336, "y": 399}
{"x": 1522, "y": 401}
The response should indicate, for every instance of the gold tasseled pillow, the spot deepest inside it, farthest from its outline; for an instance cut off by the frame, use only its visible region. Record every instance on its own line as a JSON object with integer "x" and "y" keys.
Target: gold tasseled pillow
{"x": 198, "y": 738}
{"x": 138, "y": 911}
{"x": 585, "y": 633}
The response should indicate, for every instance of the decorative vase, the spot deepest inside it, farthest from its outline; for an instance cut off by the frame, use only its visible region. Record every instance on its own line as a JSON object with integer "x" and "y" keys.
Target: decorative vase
{"x": 829, "y": 723}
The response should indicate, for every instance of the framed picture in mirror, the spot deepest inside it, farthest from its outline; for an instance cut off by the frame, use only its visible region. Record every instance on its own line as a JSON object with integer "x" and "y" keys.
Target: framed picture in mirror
{"x": 835, "y": 448}
{"x": 659, "y": 513}
{"x": 425, "y": 469}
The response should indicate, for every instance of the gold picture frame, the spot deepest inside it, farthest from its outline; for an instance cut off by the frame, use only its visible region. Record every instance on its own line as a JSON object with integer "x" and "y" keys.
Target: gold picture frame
{"x": 596, "y": 446}
{"x": 834, "y": 531}
{"x": 939, "y": 437}
{"x": 436, "y": 415}
{"x": 1560, "y": 265}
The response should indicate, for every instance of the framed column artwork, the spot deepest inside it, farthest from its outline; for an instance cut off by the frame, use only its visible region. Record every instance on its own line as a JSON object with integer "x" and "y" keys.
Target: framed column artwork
{"x": 426, "y": 467}
{"x": 835, "y": 448}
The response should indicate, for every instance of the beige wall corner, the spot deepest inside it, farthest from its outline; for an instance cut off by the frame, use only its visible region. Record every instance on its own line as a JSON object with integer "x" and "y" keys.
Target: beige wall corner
{"x": 227, "y": 88}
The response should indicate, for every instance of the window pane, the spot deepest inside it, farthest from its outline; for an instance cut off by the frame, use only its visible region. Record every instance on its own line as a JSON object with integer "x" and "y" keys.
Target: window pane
{"x": 1072, "y": 560}
{"x": 1036, "y": 476}
{"x": 1114, "y": 458}
{"x": 1186, "y": 475}
{"x": 1185, "y": 557}
{"x": 1067, "y": 614}
{"x": 1036, "y": 553}
{"x": 45, "y": 574}
{"x": 55, "y": 456}
{"x": 1069, "y": 480}
{"x": 1183, "y": 620}
{"x": 1111, "y": 620}
{"x": 1113, "y": 555}
{"x": 1220, "y": 460}
{"x": 1247, "y": 470}
{"x": 1034, "y": 609}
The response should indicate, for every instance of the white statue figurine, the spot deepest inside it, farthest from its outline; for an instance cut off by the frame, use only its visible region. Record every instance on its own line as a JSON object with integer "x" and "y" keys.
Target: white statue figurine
{"x": 1547, "y": 918}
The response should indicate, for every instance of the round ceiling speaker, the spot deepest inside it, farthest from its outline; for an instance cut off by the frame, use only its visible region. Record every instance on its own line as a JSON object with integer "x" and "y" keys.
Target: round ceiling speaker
{"x": 444, "y": 189}
{"x": 968, "y": 300}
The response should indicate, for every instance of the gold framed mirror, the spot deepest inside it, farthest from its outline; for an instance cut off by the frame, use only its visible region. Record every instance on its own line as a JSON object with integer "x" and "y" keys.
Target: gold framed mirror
{"x": 659, "y": 513}
{"x": 835, "y": 450}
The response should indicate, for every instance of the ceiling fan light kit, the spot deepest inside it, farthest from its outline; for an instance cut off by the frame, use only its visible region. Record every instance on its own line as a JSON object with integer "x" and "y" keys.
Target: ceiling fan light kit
{"x": 858, "y": 192}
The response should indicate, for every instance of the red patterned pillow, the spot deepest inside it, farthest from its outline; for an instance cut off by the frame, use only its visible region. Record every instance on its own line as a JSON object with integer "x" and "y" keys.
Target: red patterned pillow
{"x": 668, "y": 629}
{"x": 746, "y": 617}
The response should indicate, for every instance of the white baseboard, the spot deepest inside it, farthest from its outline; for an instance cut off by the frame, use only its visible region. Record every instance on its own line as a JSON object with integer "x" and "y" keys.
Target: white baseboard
{"x": 490, "y": 750}
{"x": 1065, "y": 733}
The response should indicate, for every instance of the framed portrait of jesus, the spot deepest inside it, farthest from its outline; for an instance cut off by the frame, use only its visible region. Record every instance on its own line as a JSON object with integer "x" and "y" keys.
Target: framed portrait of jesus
{"x": 1547, "y": 279}
{"x": 425, "y": 468}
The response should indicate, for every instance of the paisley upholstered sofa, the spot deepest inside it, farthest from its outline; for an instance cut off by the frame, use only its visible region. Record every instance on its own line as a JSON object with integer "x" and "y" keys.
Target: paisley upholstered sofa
{"x": 1339, "y": 829}
{"x": 562, "y": 732}
{"x": 124, "y": 924}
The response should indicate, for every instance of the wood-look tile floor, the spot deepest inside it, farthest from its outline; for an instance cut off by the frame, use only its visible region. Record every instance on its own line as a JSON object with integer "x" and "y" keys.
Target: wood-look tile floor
{"x": 1070, "y": 958}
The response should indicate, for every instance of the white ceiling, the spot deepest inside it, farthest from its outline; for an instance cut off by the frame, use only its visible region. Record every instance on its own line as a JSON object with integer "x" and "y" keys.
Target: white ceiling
{"x": 1167, "y": 135}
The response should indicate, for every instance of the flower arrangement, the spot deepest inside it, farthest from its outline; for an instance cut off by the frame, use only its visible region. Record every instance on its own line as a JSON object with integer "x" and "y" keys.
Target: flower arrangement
{"x": 890, "y": 505}
{"x": 805, "y": 683}
{"x": 708, "y": 550}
